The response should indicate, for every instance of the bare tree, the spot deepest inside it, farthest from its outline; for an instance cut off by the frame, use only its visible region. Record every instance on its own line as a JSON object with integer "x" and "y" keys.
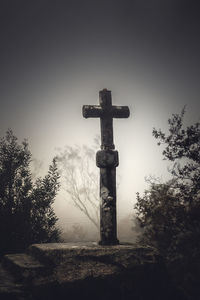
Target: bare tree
{"x": 79, "y": 177}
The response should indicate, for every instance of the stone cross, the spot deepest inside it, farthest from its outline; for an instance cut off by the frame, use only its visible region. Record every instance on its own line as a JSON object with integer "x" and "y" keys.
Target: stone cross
{"x": 107, "y": 160}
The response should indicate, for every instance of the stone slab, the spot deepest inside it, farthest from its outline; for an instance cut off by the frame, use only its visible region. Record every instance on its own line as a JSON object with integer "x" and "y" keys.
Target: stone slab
{"x": 23, "y": 260}
{"x": 82, "y": 262}
{"x": 126, "y": 254}
{"x": 90, "y": 271}
{"x": 23, "y": 265}
{"x": 9, "y": 289}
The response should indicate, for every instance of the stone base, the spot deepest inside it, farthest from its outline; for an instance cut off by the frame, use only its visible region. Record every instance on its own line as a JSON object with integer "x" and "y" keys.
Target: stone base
{"x": 89, "y": 271}
{"x": 110, "y": 243}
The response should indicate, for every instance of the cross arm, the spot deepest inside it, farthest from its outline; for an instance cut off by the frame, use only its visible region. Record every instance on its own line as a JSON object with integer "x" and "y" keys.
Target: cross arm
{"x": 92, "y": 111}
{"x": 120, "y": 112}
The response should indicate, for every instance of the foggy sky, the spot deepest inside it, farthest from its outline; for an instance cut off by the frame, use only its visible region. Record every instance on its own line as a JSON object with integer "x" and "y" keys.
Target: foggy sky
{"x": 57, "y": 55}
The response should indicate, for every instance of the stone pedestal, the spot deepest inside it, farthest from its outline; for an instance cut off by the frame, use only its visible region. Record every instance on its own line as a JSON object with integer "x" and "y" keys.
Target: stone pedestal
{"x": 84, "y": 271}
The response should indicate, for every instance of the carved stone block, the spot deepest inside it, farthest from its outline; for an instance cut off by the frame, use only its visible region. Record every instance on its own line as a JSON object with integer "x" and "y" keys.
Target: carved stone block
{"x": 107, "y": 159}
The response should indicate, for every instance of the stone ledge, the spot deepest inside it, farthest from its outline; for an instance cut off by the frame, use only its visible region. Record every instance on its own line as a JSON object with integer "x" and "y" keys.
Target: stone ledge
{"x": 23, "y": 265}
{"x": 9, "y": 288}
{"x": 56, "y": 253}
{"x": 91, "y": 271}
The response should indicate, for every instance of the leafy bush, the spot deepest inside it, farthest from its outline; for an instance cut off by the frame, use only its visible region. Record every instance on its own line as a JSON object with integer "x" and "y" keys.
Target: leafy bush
{"x": 26, "y": 213}
{"x": 169, "y": 213}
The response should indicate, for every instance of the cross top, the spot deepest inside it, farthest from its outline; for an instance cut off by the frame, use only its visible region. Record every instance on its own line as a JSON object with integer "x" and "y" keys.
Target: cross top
{"x": 106, "y": 112}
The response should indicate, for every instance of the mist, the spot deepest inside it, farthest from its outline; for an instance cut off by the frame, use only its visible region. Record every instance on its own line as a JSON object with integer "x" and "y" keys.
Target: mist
{"x": 57, "y": 56}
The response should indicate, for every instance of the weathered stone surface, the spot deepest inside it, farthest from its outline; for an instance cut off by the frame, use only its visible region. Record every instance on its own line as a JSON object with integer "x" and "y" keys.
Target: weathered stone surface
{"x": 108, "y": 213}
{"x": 23, "y": 265}
{"x": 90, "y": 271}
{"x": 107, "y": 160}
{"x": 9, "y": 289}
{"x": 57, "y": 253}
{"x": 106, "y": 112}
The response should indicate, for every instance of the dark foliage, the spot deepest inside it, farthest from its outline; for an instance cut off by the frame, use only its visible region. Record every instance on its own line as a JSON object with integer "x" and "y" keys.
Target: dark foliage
{"x": 169, "y": 213}
{"x": 26, "y": 213}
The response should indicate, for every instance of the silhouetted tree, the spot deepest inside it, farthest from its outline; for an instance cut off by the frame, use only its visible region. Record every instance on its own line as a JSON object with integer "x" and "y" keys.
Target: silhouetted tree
{"x": 170, "y": 213}
{"x": 26, "y": 213}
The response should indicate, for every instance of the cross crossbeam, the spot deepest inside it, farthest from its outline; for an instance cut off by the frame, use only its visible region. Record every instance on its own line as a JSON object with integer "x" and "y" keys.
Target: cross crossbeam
{"x": 106, "y": 112}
